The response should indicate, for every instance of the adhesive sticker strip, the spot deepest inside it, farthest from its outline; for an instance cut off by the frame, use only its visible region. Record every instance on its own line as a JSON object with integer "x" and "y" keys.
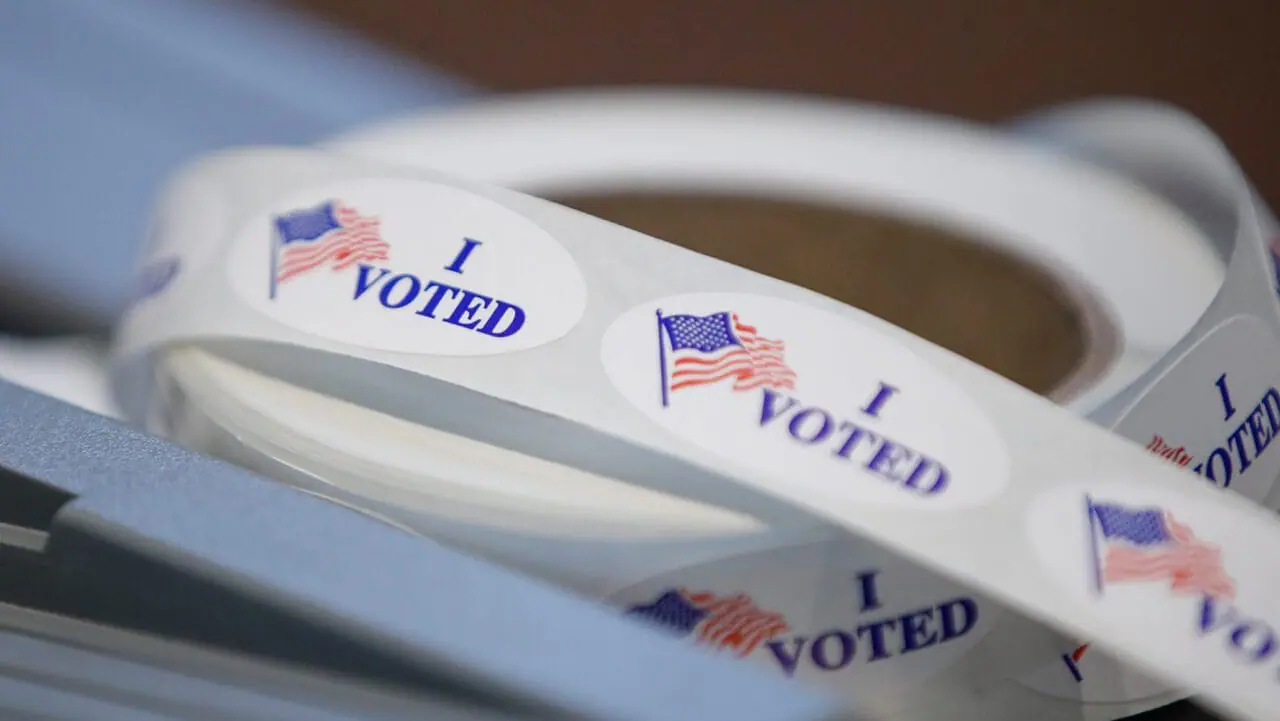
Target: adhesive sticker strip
{"x": 1194, "y": 398}
{"x": 960, "y": 467}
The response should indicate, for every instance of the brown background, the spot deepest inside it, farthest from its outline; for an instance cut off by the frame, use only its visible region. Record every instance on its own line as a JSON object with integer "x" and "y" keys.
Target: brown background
{"x": 1216, "y": 58}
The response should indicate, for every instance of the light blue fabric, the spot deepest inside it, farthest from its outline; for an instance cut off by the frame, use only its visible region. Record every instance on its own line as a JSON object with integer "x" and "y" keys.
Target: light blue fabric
{"x": 101, "y": 99}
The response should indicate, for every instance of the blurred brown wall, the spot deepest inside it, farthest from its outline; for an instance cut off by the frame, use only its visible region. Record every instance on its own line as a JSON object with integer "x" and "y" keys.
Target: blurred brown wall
{"x": 1218, "y": 59}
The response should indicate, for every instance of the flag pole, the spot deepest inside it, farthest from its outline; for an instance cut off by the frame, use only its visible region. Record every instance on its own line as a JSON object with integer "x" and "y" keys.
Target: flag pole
{"x": 1093, "y": 544}
{"x": 1070, "y": 658}
{"x": 662, "y": 361}
{"x": 275, "y": 254}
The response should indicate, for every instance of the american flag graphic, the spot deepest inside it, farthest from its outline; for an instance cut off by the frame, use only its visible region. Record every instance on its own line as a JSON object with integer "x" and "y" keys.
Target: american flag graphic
{"x": 1149, "y": 544}
{"x": 330, "y": 235}
{"x": 717, "y": 347}
{"x": 731, "y": 622}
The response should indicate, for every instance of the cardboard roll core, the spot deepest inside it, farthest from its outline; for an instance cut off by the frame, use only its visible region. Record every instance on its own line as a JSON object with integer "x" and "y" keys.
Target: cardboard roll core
{"x": 996, "y": 309}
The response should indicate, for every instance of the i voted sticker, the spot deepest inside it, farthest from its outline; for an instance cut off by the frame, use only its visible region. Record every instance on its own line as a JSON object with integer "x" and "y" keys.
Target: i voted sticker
{"x": 1158, "y": 558}
{"x": 848, "y": 618}
{"x": 808, "y": 397}
{"x": 1215, "y": 412}
{"x": 407, "y": 266}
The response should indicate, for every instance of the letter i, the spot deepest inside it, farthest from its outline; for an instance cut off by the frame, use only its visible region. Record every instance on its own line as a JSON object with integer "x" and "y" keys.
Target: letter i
{"x": 882, "y": 396}
{"x": 468, "y": 245}
{"x": 1227, "y": 408}
{"x": 867, "y": 591}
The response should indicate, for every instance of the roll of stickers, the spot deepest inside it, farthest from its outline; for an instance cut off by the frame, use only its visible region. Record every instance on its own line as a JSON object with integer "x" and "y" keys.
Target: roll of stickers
{"x": 695, "y": 442}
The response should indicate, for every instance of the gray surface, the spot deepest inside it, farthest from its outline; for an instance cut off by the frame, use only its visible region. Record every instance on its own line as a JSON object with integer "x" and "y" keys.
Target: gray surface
{"x": 80, "y": 671}
{"x": 274, "y": 565}
{"x": 99, "y": 101}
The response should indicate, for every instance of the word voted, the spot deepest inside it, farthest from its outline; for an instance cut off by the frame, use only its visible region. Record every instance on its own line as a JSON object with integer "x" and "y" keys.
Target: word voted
{"x": 1247, "y": 640}
{"x": 1250, "y": 438}
{"x": 439, "y": 301}
{"x": 878, "y": 639}
{"x": 848, "y": 441}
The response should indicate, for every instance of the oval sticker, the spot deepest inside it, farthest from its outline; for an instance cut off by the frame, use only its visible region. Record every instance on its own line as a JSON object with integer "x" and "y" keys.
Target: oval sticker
{"x": 845, "y": 616}
{"x": 407, "y": 266}
{"x": 808, "y": 397}
{"x": 1159, "y": 558}
{"x": 1216, "y": 411}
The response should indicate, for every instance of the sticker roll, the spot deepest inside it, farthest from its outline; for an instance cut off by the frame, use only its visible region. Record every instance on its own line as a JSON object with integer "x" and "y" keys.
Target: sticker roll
{"x": 324, "y": 319}
{"x": 614, "y": 136}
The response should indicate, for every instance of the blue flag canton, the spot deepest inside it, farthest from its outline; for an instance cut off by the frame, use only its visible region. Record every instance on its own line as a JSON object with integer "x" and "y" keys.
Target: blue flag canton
{"x": 308, "y": 224}
{"x": 1144, "y": 527}
{"x": 705, "y": 334}
{"x": 672, "y": 610}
